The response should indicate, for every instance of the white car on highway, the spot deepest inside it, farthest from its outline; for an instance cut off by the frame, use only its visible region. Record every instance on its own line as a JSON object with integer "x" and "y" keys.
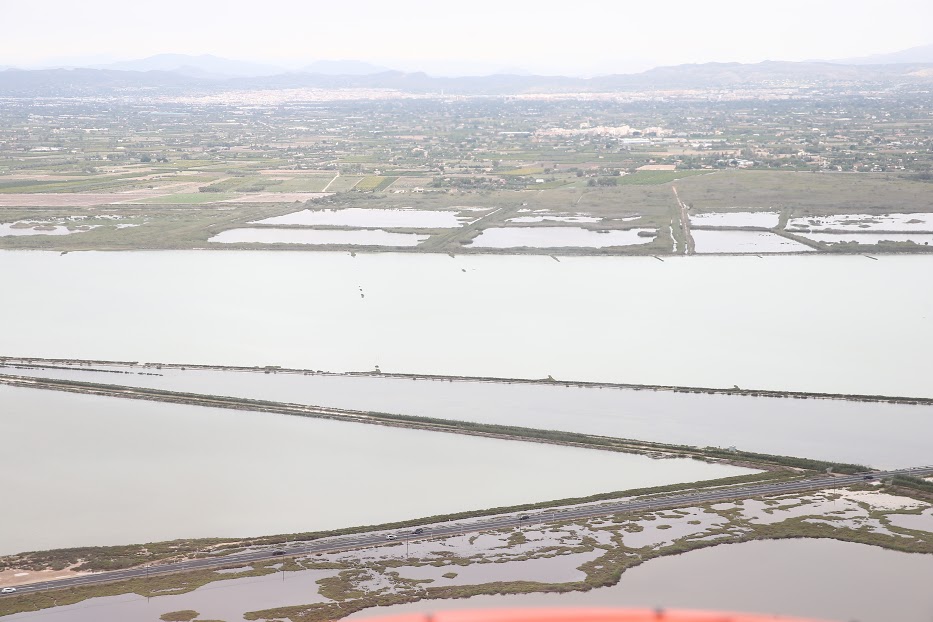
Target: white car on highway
{"x": 8, "y": 590}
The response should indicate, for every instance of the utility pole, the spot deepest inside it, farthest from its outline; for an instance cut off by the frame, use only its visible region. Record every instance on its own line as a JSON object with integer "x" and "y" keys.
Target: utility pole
{"x": 287, "y": 543}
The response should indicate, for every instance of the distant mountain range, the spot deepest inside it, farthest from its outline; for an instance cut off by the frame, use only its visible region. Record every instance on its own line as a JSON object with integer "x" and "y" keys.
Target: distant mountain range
{"x": 203, "y": 66}
{"x": 210, "y": 67}
{"x": 211, "y": 74}
{"x": 775, "y": 73}
{"x": 921, "y": 54}
{"x": 214, "y": 67}
{"x": 344, "y": 68}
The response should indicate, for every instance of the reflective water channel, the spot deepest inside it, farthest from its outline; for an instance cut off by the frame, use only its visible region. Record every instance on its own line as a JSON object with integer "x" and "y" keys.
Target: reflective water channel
{"x": 877, "y": 434}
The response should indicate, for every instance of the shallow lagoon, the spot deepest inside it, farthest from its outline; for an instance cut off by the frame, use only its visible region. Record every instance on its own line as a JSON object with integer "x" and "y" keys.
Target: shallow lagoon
{"x": 559, "y": 237}
{"x": 919, "y": 221}
{"x": 765, "y": 220}
{"x": 838, "y": 324}
{"x": 356, "y": 237}
{"x": 715, "y": 241}
{"x": 826, "y": 429}
{"x": 117, "y": 471}
{"x": 222, "y": 600}
{"x": 813, "y": 578}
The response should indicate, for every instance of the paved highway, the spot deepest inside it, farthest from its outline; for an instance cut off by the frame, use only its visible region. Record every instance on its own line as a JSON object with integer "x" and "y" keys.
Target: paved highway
{"x": 344, "y": 543}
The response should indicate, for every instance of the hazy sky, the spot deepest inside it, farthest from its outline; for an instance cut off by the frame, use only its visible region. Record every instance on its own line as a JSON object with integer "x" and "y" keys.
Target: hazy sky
{"x": 579, "y": 36}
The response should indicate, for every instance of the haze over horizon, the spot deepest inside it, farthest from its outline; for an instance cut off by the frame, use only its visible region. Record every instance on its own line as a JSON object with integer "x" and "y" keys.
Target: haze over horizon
{"x": 486, "y": 37}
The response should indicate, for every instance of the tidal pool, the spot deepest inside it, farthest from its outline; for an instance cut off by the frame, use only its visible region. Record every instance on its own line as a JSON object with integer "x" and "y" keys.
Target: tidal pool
{"x": 923, "y": 521}
{"x": 560, "y": 569}
{"x": 80, "y": 470}
{"x": 836, "y": 324}
{"x": 356, "y": 237}
{"x": 10, "y": 229}
{"x": 715, "y": 241}
{"x": 828, "y": 429}
{"x": 224, "y": 600}
{"x": 366, "y": 217}
{"x": 559, "y": 237}
{"x": 822, "y": 579}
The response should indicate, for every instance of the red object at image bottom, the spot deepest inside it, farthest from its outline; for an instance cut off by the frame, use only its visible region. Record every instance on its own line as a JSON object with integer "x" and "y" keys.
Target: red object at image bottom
{"x": 582, "y": 615}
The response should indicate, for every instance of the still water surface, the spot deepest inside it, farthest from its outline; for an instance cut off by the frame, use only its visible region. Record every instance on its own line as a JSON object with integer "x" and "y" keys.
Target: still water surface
{"x": 224, "y": 600}
{"x": 365, "y": 217}
{"x": 922, "y": 221}
{"x": 875, "y": 434}
{"x": 716, "y": 241}
{"x": 766, "y": 220}
{"x": 560, "y": 237}
{"x": 838, "y": 324}
{"x": 823, "y": 579}
{"x": 355, "y": 237}
{"x": 9, "y": 229}
{"x": 82, "y": 470}
{"x": 815, "y": 578}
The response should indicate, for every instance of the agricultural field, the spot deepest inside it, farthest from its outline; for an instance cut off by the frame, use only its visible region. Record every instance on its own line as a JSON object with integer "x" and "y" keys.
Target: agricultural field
{"x": 687, "y": 364}
{"x": 566, "y": 177}
{"x": 807, "y": 193}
